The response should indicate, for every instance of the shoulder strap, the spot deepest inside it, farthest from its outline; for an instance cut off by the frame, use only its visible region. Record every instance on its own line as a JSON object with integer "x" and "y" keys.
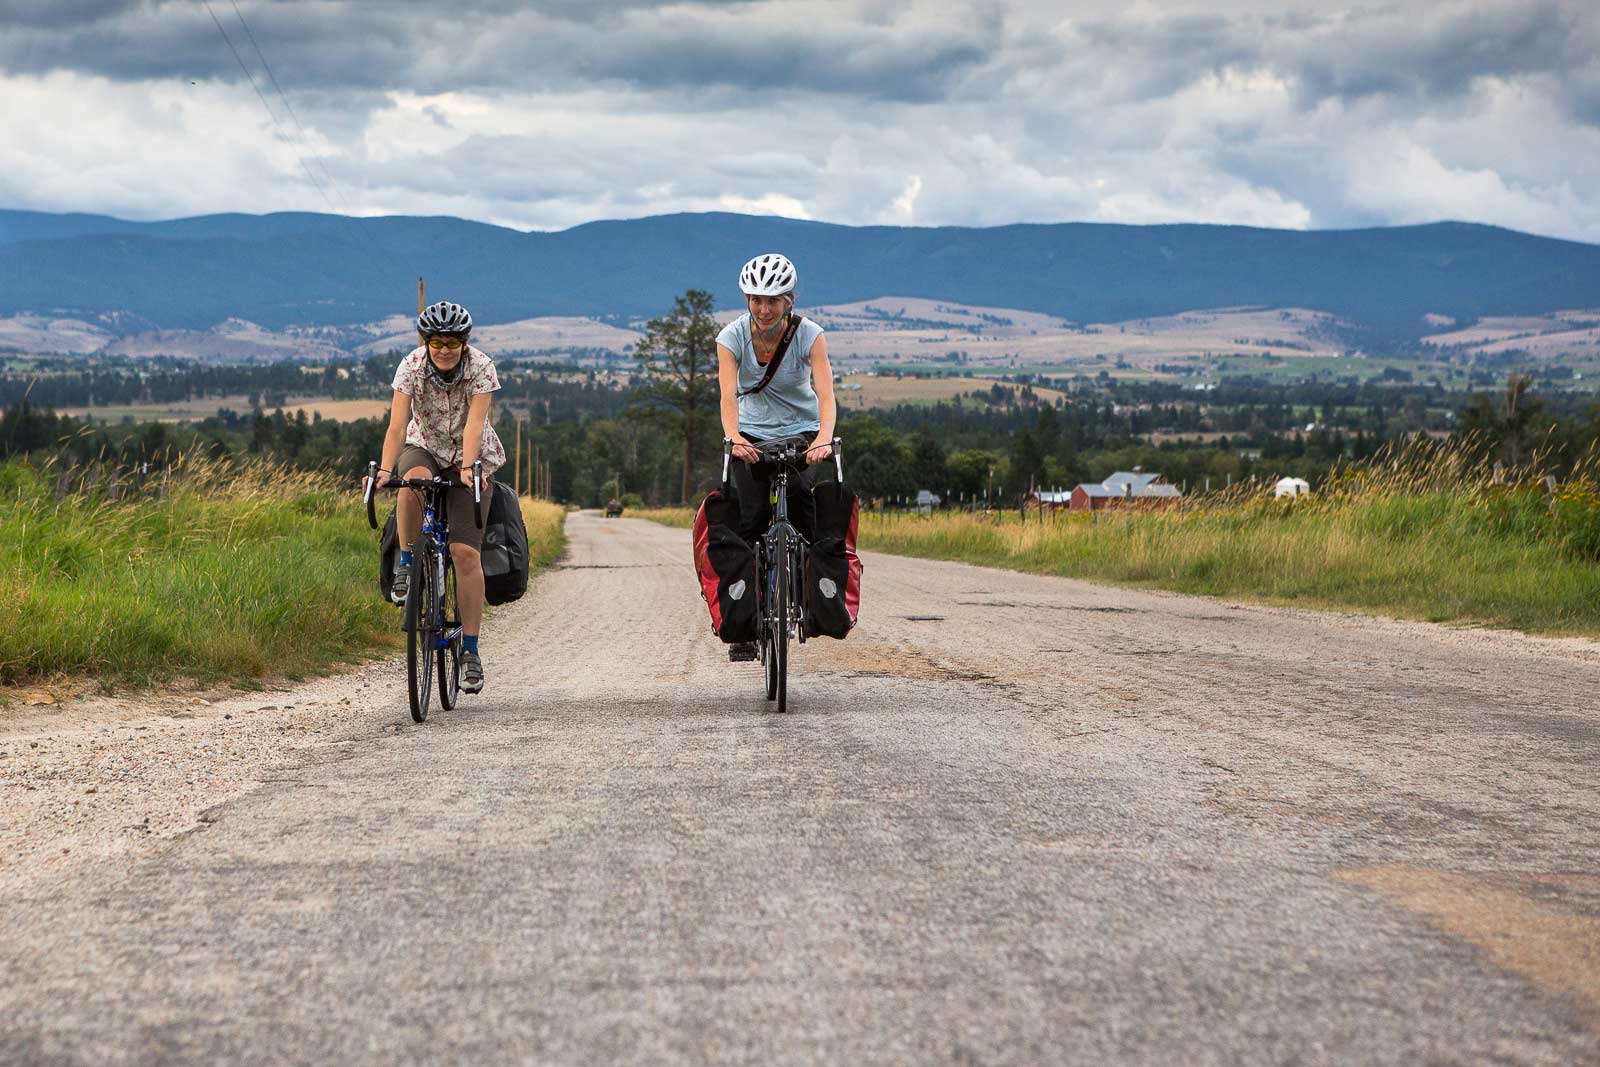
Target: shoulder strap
{"x": 777, "y": 355}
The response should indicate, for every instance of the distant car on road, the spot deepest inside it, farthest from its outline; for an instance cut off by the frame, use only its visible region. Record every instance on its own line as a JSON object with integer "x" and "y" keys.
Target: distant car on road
{"x": 614, "y": 509}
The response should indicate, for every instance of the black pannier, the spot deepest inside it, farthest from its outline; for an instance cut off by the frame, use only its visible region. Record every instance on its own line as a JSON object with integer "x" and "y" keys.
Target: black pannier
{"x": 725, "y": 566}
{"x": 388, "y": 554}
{"x": 833, "y": 570}
{"x": 505, "y": 548}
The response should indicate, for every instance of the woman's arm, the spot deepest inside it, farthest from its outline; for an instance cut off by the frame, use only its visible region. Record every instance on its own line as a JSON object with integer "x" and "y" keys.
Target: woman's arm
{"x": 472, "y": 436}
{"x": 728, "y": 383}
{"x": 827, "y": 411}
{"x": 394, "y": 439}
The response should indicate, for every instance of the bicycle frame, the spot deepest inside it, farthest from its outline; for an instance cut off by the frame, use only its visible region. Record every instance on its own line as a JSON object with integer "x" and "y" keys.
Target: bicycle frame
{"x": 781, "y": 537}
{"x": 435, "y": 526}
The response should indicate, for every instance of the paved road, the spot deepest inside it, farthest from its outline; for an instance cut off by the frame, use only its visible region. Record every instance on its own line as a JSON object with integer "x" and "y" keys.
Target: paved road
{"x": 1010, "y": 820}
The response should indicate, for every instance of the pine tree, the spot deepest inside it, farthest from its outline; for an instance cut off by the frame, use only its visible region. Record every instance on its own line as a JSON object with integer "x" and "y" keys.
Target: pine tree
{"x": 678, "y": 362}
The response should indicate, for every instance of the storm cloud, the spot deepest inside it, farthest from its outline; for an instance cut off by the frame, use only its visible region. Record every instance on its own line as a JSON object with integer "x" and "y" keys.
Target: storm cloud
{"x": 856, "y": 111}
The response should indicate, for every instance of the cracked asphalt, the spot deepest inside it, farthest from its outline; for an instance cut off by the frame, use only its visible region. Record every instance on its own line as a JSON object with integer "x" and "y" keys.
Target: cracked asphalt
{"x": 1010, "y": 820}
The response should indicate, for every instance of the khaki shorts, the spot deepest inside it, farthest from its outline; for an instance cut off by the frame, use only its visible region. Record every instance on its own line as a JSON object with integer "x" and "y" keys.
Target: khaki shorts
{"x": 457, "y": 502}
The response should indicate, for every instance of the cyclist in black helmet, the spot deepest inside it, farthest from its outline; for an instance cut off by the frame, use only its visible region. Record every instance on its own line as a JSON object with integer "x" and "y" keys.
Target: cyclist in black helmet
{"x": 439, "y": 426}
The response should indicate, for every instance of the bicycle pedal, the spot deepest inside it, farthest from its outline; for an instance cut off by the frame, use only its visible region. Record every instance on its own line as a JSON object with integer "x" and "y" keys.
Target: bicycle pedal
{"x": 743, "y": 653}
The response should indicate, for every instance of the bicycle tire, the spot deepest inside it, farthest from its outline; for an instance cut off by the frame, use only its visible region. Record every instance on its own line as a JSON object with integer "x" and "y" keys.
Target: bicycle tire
{"x": 780, "y": 638}
{"x": 769, "y": 657}
{"x": 449, "y": 661}
{"x": 421, "y": 635}
{"x": 769, "y": 666}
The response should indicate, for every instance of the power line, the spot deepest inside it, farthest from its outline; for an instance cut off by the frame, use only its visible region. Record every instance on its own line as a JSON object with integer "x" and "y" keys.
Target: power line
{"x": 251, "y": 78}
{"x": 278, "y": 125}
{"x": 304, "y": 136}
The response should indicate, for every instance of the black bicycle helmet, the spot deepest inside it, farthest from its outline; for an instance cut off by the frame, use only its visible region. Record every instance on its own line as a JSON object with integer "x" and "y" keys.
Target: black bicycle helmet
{"x": 446, "y": 318}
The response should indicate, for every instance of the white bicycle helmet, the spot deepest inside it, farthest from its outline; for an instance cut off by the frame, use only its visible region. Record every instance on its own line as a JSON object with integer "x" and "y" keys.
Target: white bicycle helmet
{"x": 446, "y": 318}
{"x": 767, "y": 275}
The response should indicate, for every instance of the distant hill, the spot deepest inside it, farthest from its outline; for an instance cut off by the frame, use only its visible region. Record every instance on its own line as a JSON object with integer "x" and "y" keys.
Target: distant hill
{"x": 327, "y": 270}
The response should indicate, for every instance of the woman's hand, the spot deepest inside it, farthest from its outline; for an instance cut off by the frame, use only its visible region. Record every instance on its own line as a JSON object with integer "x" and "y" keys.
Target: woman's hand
{"x": 820, "y": 450}
{"x": 464, "y": 476}
{"x": 746, "y": 451}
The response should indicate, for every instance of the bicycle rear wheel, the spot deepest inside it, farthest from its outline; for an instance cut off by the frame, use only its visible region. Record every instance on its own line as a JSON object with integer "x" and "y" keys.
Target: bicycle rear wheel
{"x": 422, "y": 620}
{"x": 449, "y": 661}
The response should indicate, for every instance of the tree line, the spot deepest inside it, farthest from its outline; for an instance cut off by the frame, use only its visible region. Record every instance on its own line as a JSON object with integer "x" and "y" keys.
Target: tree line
{"x": 656, "y": 438}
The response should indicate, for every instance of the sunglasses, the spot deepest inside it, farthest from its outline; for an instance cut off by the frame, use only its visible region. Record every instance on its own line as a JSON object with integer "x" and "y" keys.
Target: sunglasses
{"x": 444, "y": 342}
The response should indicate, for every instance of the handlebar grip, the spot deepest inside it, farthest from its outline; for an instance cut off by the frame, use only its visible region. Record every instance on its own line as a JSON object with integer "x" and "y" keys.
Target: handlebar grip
{"x": 477, "y": 493}
{"x": 838, "y": 460}
{"x": 727, "y": 456}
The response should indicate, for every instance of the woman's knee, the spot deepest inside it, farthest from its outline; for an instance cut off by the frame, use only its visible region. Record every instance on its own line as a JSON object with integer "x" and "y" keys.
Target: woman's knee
{"x": 467, "y": 559}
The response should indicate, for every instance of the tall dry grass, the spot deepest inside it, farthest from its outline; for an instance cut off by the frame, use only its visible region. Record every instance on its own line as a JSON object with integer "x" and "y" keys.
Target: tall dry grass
{"x": 1426, "y": 530}
{"x": 214, "y": 571}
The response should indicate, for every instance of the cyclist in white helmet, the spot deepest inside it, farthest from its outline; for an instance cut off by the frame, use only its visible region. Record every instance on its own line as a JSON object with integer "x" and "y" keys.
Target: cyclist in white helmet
{"x": 439, "y": 425}
{"x": 796, "y": 402}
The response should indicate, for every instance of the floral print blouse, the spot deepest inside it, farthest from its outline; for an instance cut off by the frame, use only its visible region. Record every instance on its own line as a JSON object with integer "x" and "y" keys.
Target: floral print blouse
{"x": 439, "y": 413}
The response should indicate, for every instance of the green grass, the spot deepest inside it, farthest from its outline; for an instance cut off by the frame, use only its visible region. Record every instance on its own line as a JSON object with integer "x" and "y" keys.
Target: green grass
{"x": 1432, "y": 558}
{"x": 234, "y": 575}
{"x": 1426, "y": 535}
{"x": 683, "y": 518}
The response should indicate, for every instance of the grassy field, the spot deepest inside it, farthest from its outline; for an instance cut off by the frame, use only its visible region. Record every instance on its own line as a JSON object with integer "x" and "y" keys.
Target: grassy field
{"x": 1426, "y": 535}
{"x": 232, "y": 575}
{"x": 886, "y": 390}
{"x": 204, "y": 408}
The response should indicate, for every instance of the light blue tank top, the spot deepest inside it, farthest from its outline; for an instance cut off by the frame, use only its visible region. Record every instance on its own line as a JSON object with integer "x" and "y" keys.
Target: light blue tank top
{"x": 788, "y": 405}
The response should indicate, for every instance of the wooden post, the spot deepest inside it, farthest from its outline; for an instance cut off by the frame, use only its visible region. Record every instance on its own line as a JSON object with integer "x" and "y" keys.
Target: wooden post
{"x": 516, "y": 468}
{"x": 533, "y": 473}
{"x": 422, "y": 302}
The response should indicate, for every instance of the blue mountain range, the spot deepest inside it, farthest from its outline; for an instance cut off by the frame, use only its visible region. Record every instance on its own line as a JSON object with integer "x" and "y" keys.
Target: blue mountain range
{"x": 313, "y": 269}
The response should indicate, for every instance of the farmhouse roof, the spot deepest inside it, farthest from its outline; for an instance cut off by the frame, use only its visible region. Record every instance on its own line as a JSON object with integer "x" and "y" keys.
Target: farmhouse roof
{"x": 1137, "y": 479}
{"x": 1131, "y": 484}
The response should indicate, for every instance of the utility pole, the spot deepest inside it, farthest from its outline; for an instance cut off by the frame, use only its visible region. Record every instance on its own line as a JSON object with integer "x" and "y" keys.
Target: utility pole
{"x": 421, "y": 304}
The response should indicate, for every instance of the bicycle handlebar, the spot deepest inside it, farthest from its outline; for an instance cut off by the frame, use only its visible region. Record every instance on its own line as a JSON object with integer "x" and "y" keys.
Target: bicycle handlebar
{"x": 371, "y": 490}
{"x": 784, "y": 449}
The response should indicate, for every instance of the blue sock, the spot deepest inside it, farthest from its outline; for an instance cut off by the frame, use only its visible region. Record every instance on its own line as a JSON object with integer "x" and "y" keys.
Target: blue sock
{"x": 405, "y": 558}
{"x": 469, "y": 643}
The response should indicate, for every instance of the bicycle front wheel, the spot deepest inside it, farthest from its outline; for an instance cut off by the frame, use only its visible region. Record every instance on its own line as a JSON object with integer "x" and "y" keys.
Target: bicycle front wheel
{"x": 780, "y": 634}
{"x": 422, "y": 625}
{"x": 769, "y": 664}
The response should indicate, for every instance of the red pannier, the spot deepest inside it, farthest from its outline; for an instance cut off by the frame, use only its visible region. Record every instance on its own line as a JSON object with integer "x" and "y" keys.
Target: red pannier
{"x": 726, "y": 568}
{"x": 833, "y": 570}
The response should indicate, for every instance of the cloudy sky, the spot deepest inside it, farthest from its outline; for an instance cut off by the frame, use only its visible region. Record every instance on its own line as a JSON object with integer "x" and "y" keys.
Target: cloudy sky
{"x": 925, "y": 112}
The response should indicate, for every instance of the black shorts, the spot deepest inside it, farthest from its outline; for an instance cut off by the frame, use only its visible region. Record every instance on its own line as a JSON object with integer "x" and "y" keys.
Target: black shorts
{"x": 457, "y": 502}
{"x": 752, "y": 484}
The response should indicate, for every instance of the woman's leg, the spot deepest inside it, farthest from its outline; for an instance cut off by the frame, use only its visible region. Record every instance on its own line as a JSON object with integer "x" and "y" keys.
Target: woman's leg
{"x": 469, "y": 587}
{"x": 413, "y": 462}
{"x": 802, "y": 505}
{"x": 753, "y": 492}
{"x": 466, "y": 543}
